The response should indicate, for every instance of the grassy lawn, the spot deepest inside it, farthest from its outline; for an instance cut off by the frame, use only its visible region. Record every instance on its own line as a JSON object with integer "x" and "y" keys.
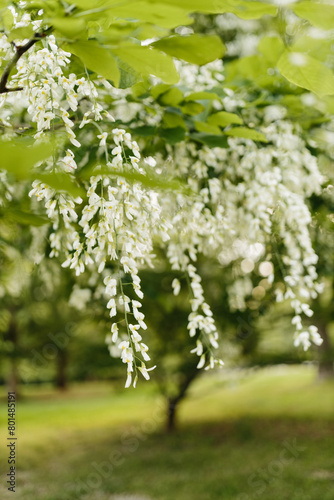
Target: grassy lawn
{"x": 265, "y": 435}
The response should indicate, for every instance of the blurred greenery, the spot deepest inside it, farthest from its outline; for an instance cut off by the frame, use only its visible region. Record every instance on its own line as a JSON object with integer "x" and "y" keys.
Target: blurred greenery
{"x": 234, "y": 424}
{"x": 234, "y": 427}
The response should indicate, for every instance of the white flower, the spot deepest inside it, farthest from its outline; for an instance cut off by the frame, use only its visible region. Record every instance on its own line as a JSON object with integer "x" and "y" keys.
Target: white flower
{"x": 201, "y": 362}
{"x": 111, "y": 285}
{"x": 103, "y": 138}
{"x": 128, "y": 380}
{"x": 118, "y": 135}
{"x": 176, "y": 286}
{"x": 150, "y": 161}
{"x": 144, "y": 371}
{"x": 198, "y": 349}
{"x": 114, "y": 331}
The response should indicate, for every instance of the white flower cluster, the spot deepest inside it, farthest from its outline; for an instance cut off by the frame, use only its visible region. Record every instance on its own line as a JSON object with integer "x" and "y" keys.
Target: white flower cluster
{"x": 48, "y": 93}
{"x": 119, "y": 223}
{"x": 120, "y": 218}
{"x": 51, "y": 94}
{"x": 254, "y": 200}
{"x": 192, "y": 225}
{"x": 200, "y": 78}
{"x": 246, "y": 200}
{"x": 60, "y": 209}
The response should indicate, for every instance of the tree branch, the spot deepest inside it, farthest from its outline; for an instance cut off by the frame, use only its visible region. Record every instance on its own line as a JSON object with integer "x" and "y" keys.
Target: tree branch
{"x": 12, "y": 63}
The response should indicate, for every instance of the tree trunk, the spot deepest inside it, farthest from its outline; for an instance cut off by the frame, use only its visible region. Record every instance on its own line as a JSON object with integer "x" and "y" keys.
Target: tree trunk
{"x": 61, "y": 378}
{"x": 326, "y": 362}
{"x": 171, "y": 415}
{"x": 173, "y": 402}
{"x": 13, "y": 338}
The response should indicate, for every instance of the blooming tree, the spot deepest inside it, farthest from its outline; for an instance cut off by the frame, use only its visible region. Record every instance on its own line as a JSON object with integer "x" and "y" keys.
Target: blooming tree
{"x": 129, "y": 152}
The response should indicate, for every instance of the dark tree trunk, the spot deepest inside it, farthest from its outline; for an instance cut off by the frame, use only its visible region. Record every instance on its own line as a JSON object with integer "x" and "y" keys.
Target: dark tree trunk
{"x": 326, "y": 362}
{"x": 173, "y": 402}
{"x": 171, "y": 415}
{"x": 13, "y": 378}
{"x": 61, "y": 378}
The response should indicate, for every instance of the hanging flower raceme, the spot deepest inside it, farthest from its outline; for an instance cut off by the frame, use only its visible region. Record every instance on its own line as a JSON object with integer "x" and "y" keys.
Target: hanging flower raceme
{"x": 244, "y": 198}
{"x": 256, "y": 197}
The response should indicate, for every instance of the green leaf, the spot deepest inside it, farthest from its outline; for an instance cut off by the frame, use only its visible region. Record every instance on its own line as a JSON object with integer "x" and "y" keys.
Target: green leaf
{"x": 208, "y": 129}
{"x": 271, "y": 47}
{"x": 71, "y": 28}
{"x": 223, "y": 118}
{"x": 144, "y": 131}
{"x": 113, "y": 34}
{"x": 173, "y": 120}
{"x": 129, "y": 76}
{"x": 148, "y": 61}
{"x": 173, "y": 135}
{"x": 25, "y": 218}
{"x": 293, "y": 104}
{"x": 320, "y": 15}
{"x": 305, "y": 71}
{"x": 172, "y": 97}
{"x": 250, "y": 67}
{"x": 150, "y": 179}
{"x": 21, "y": 33}
{"x": 213, "y": 141}
{"x": 243, "y": 8}
{"x": 253, "y": 10}
{"x": 161, "y": 14}
{"x": 196, "y": 49}
{"x": 60, "y": 182}
{"x": 96, "y": 58}
{"x": 246, "y": 133}
{"x": 19, "y": 158}
{"x": 148, "y": 31}
{"x": 201, "y": 96}
{"x": 7, "y": 18}
{"x": 140, "y": 89}
{"x": 87, "y": 4}
{"x": 319, "y": 48}
{"x": 192, "y": 108}
{"x": 159, "y": 89}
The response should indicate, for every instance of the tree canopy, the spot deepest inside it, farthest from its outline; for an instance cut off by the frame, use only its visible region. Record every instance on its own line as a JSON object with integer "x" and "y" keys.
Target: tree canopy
{"x": 145, "y": 133}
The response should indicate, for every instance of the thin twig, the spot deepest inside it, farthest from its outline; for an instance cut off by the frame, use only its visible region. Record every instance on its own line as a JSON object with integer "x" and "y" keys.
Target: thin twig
{"x": 12, "y": 63}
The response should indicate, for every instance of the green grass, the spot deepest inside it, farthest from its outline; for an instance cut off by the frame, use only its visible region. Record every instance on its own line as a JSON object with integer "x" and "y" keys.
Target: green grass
{"x": 265, "y": 435}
